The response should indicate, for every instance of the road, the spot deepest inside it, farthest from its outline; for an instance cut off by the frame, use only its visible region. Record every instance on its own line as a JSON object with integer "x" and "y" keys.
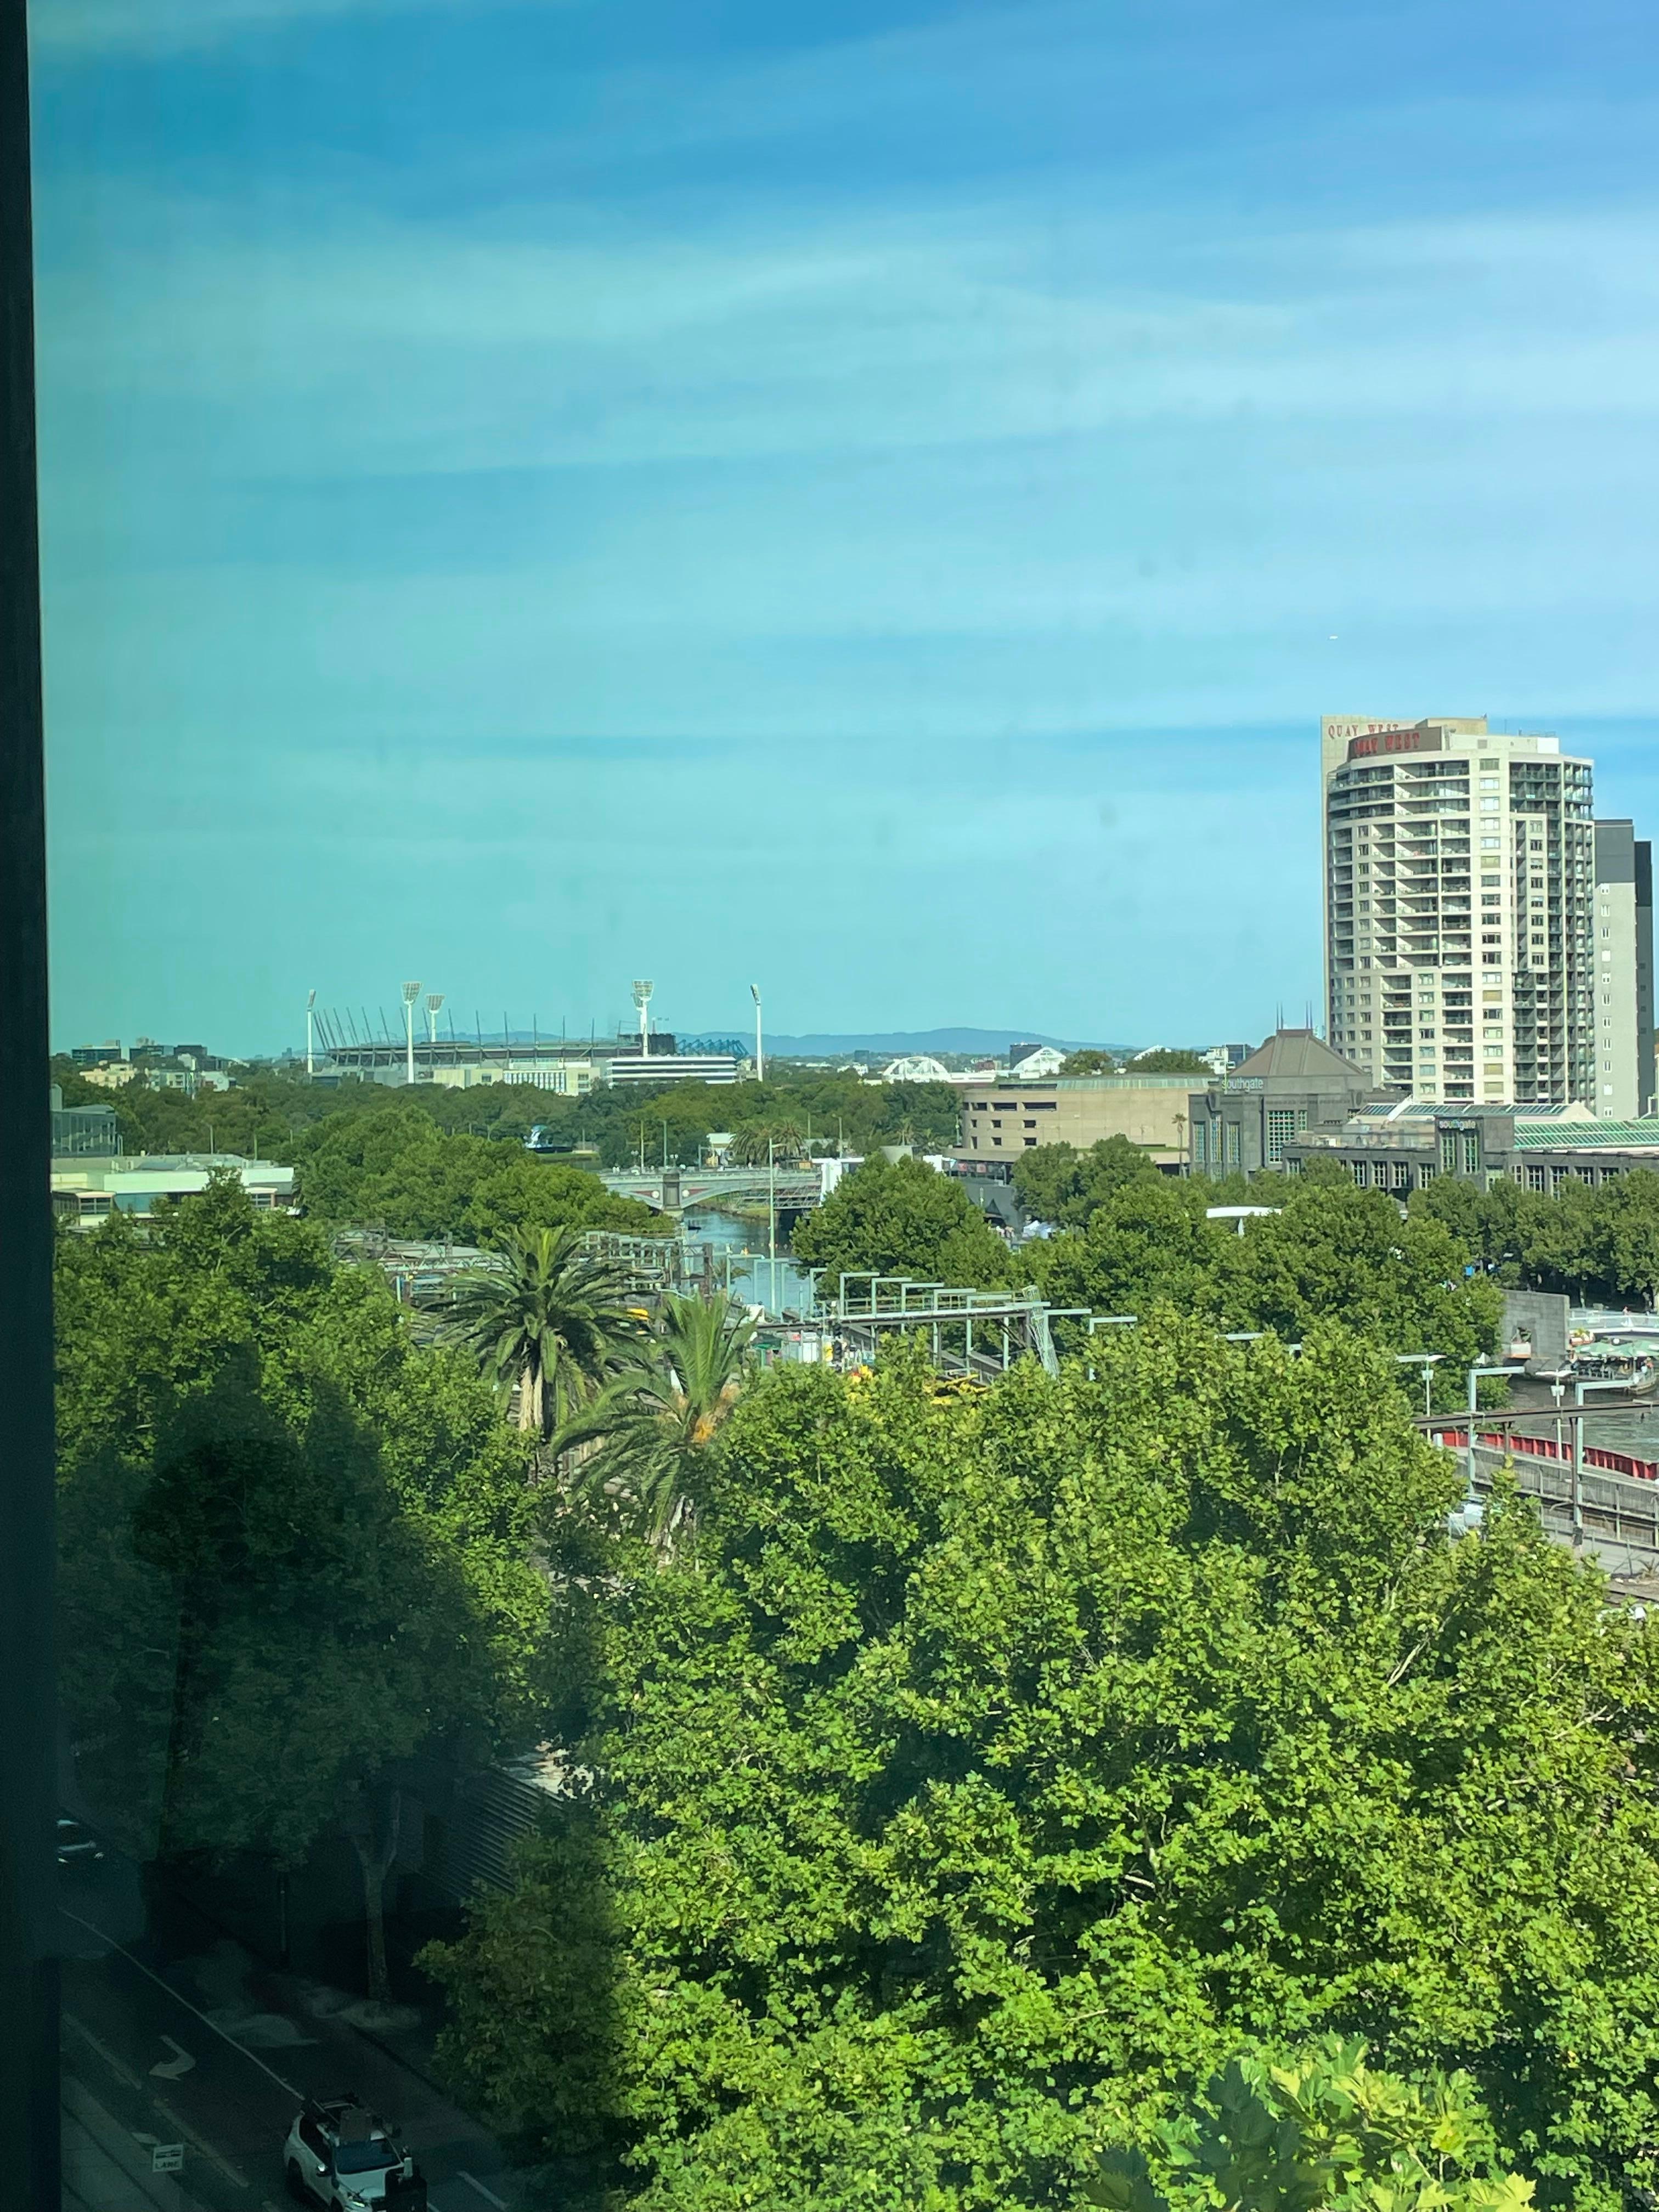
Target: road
{"x": 215, "y": 2054}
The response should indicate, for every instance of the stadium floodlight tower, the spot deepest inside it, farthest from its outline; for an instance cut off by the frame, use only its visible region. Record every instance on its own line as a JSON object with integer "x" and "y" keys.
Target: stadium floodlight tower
{"x": 411, "y": 991}
{"x": 643, "y": 1000}
{"x": 310, "y": 1002}
{"x": 760, "y": 1056}
{"x": 434, "y": 1000}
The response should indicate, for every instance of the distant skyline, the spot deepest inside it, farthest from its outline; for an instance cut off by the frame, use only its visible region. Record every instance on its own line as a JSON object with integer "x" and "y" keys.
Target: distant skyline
{"x": 871, "y": 500}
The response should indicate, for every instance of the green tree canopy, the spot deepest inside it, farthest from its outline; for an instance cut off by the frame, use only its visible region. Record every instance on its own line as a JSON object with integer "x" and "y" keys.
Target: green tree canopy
{"x": 1060, "y": 1184}
{"x": 293, "y": 1545}
{"x": 903, "y": 1218}
{"x": 551, "y": 1321}
{"x": 655, "y": 1422}
{"x": 1169, "y": 1060}
{"x": 397, "y": 1170}
{"x": 1325, "y": 2130}
{"x": 279, "y": 1116}
{"x": 1330, "y": 1252}
{"x": 999, "y": 1765}
{"x": 1147, "y": 1241}
{"x": 1336, "y": 1253}
{"x": 1600, "y": 1243}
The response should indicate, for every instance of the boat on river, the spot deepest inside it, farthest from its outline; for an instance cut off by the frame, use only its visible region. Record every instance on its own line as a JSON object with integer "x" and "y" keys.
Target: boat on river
{"x": 1622, "y": 1366}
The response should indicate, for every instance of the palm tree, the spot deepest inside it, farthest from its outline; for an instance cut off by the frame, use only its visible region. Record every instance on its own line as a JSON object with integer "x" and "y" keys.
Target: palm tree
{"x": 654, "y": 1422}
{"x": 554, "y": 1320}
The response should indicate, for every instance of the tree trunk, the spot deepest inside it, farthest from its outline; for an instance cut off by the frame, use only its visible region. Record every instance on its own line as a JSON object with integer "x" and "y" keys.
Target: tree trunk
{"x": 192, "y": 1637}
{"x": 376, "y": 1865}
{"x": 530, "y": 1399}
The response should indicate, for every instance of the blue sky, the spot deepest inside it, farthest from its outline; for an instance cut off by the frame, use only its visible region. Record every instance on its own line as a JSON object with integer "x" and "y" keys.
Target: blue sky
{"x": 870, "y": 499}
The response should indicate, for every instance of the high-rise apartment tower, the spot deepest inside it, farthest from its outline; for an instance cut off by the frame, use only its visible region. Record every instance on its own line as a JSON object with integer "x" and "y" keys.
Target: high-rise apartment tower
{"x": 1623, "y": 946}
{"x": 1459, "y": 881}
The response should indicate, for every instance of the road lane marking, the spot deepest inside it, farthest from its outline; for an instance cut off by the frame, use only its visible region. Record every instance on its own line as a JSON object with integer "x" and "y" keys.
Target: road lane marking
{"x": 201, "y": 2143}
{"x": 287, "y": 2088}
{"x": 499, "y": 2202}
{"x": 121, "y": 2072}
{"x": 169, "y": 2070}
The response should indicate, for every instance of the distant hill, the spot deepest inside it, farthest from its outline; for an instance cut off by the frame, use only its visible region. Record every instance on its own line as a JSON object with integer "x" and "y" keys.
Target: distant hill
{"x": 892, "y": 1044}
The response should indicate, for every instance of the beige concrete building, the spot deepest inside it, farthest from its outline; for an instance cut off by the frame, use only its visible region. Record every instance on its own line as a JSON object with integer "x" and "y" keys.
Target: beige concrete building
{"x": 1622, "y": 949}
{"x": 1459, "y": 879}
{"x": 1001, "y": 1119}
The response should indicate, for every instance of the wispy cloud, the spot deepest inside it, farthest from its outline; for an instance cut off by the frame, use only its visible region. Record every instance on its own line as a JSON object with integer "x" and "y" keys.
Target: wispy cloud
{"x": 90, "y": 28}
{"x": 812, "y": 435}
{"x": 434, "y": 346}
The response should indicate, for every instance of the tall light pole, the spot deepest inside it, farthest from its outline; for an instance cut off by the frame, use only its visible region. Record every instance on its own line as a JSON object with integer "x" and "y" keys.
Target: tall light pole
{"x": 311, "y": 1001}
{"x": 434, "y": 1000}
{"x": 411, "y": 991}
{"x": 760, "y": 1056}
{"x": 1428, "y": 1361}
{"x": 643, "y": 1000}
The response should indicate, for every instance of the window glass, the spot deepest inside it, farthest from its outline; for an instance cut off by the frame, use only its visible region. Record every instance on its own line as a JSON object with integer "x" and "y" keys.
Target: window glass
{"x": 634, "y": 1628}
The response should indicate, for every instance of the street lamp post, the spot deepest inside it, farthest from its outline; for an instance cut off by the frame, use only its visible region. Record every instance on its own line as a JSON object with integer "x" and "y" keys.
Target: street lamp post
{"x": 411, "y": 991}
{"x": 1581, "y": 1385}
{"x": 1474, "y": 1374}
{"x": 1557, "y": 1378}
{"x": 760, "y": 1054}
{"x": 1428, "y": 1361}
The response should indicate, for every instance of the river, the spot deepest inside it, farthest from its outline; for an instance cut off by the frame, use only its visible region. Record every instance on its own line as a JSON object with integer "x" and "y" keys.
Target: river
{"x": 741, "y": 1258}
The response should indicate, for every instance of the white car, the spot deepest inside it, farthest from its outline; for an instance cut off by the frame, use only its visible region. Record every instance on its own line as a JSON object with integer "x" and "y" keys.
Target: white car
{"x": 340, "y": 2153}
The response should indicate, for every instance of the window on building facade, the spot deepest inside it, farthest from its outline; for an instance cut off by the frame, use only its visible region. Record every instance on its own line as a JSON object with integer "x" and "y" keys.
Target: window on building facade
{"x": 1281, "y": 1126}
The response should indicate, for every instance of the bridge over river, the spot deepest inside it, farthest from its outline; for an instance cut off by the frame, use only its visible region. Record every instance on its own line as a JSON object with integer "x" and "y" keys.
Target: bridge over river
{"x": 675, "y": 1190}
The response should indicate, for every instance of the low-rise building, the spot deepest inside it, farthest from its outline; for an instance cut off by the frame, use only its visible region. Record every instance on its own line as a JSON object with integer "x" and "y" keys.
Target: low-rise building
{"x": 1242, "y": 1121}
{"x": 92, "y": 1132}
{"x": 87, "y": 1190}
{"x": 1405, "y": 1146}
{"x": 1006, "y": 1116}
{"x": 1222, "y": 1058}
